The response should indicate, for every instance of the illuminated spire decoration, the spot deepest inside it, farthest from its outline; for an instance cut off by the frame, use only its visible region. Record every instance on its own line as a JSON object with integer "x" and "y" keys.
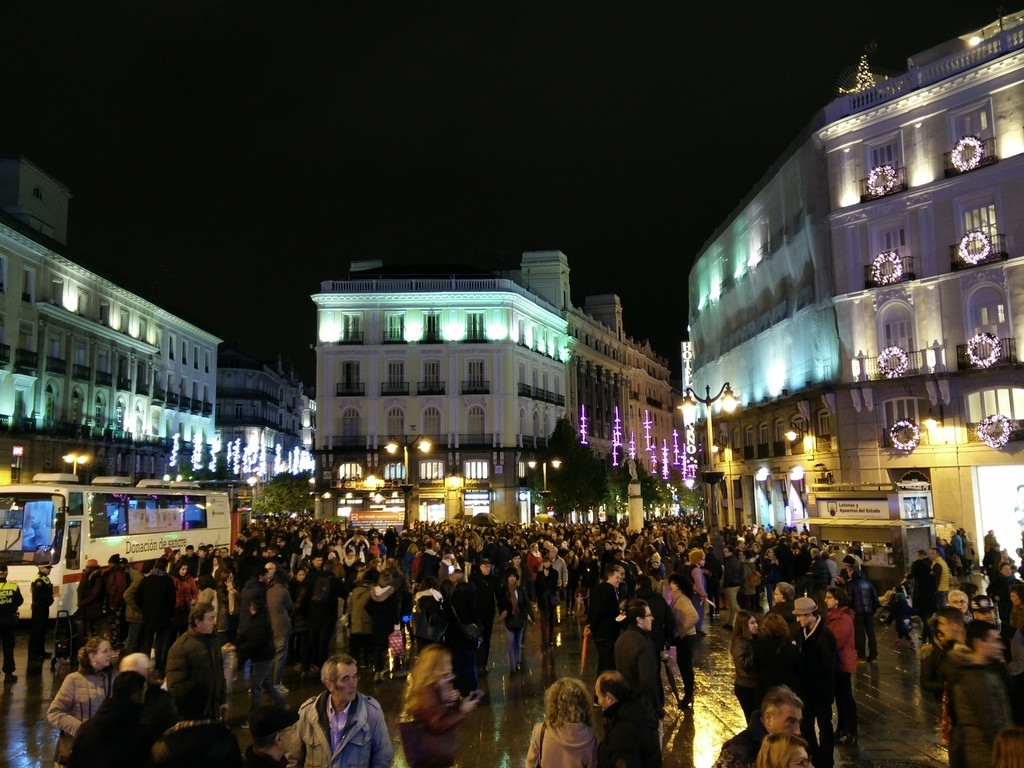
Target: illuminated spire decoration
{"x": 214, "y": 450}
{"x": 175, "y": 445}
{"x": 632, "y": 445}
{"x": 197, "y": 452}
{"x": 676, "y": 454}
{"x": 583, "y": 424}
{"x": 649, "y": 443}
{"x": 616, "y": 438}
{"x": 664, "y": 459}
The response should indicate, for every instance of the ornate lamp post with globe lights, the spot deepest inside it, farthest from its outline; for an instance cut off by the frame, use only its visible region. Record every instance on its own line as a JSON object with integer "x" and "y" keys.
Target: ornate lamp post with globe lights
{"x": 689, "y": 408}
{"x": 392, "y": 448}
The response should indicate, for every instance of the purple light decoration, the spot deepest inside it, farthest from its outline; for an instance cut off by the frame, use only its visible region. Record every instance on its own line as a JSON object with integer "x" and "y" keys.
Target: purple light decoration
{"x": 616, "y": 438}
{"x": 583, "y": 424}
{"x": 632, "y": 445}
{"x": 647, "y": 431}
{"x": 664, "y": 459}
{"x": 676, "y": 460}
{"x": 689, "y": 469}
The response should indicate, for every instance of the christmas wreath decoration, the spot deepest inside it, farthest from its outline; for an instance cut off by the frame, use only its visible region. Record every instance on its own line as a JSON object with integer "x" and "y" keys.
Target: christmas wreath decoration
{"x": 983, "y": 350}
{"x": 994, "y": 431}
{"x": 905, "y": 435}
{"x": 967, "y": 154}
{"x": 881, "y": 180}
{"x": 887, "y": 268}
{"x": 893, "y": 362}
{"x": 974, "y": 247}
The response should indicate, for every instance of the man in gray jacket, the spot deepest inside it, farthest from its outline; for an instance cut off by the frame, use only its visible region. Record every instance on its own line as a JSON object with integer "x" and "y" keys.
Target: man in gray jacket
{"x": 279, "y": 606}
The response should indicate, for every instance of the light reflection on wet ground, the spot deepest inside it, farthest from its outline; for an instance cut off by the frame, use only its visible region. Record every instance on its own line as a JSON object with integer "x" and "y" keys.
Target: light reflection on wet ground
{"x": 898, "y": 726}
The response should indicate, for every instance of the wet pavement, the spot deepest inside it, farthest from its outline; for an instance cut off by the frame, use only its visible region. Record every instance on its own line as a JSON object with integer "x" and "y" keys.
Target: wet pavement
{"x": 898, "y": 725}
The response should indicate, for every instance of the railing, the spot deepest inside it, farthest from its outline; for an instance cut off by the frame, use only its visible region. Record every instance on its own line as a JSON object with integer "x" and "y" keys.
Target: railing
{"x": 1003, "y": 352}
{"x": 56, "y": 364}
{"x": 483, "y": 438}
{"x": 432, "y": 337}
{"x": 541, "y": 395}
{"x": 1016, "y": 431}
{"x": 476, "y": 387}
{"x": 988, "y": 157}
{"x": 26, "y": 359}
{"x": 5, "y": 354}
{"x": 778, "y": 448}
{"x": 915, "y": 364}
{"x": 83, "y": 372}
{"x": 196, "y": 406}
{"x": 393, "y": 338}
{"x": 141, "y": 388}
{"x": 887, "y": 271}
{"x": 979, "y": 253}
{"x": 159, "y": 395}
{"x": 430, "y": 388}
{"x": 475, "y": 338}
{"x": 125, "y": 383}
{"x": 762, "y": 451}
{"x": 349, "y": 389}
{"x": 207, "y": 408}
{"x": 352, "y": 337}
{"x": 748, "y": 452}
{"x": 172, "y": 399}
{"x": 346, "y": 441}
{"x": 884, "y": 187}
{"x": 185, "y": 403}
{"x": 104, "y": 378}
{"x": 654, "y": 403}
{"x": 394, "y": 388}
{"x": 823, "y": 442}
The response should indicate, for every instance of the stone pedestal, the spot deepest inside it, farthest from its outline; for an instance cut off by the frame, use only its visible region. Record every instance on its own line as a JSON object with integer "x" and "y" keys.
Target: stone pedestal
{"x": 636, "y": 508}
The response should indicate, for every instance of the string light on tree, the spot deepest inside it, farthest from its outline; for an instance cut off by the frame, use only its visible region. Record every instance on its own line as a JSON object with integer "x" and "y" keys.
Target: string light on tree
{"x": 215, "y": 446}
{"x": 983, "y": 350}
{"x": 865, "y": 79}
{"x": 905, "y": 435}
{"x": 974, "y": 247}
{"x": 893, "y": 362}
{"x": 994, "y": 431}
{"x": 197, "y": 452}
{"x": 967, "y": 154}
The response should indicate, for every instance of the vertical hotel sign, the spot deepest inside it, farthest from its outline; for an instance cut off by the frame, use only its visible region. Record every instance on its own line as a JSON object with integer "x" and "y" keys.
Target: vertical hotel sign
{"x": 690, "y": 455}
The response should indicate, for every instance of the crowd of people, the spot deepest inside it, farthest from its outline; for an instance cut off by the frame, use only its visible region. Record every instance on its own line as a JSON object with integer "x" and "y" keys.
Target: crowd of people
{"x": 422, "y": 606}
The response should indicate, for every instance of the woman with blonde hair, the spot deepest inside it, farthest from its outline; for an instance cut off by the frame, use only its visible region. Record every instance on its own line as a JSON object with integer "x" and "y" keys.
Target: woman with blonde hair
{"x": 783, "y": 750}
{"x": 1008, "y": 748}
{"x": 564, "y": 739}
{"x": 81, "y": 693}
{"x": 432, "y": 710}
{"x": 700, "y": 586}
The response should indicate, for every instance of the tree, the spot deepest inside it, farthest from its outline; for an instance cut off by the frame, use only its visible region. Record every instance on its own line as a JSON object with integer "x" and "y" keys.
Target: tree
{"x": 580, "y": 483}
{"x": 283, "y": 493}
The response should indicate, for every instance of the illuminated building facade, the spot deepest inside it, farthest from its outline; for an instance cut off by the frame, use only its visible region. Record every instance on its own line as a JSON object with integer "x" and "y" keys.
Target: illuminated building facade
{"x": 887, "y": 293}
{"x": 264, "y": 418}
{"x": 86, "y": 366}
{"x": 469, "y": 361}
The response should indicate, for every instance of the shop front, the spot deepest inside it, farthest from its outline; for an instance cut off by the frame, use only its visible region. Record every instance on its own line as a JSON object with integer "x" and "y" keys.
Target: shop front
{"x": 1000, "y": 505}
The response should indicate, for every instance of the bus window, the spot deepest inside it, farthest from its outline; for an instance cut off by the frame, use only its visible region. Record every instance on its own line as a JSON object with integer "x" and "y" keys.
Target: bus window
{"x": 155, "y": 514}
{"x": 106, "y": 515}
{"x": 195, "y": 512}
{"x": 26, "y": 526}
{"x": 73, "y": 557}
{"x": 76, "y": 506}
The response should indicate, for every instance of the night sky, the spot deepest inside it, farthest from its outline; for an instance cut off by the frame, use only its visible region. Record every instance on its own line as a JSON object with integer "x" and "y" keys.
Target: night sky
{"x": 225, "y": 157}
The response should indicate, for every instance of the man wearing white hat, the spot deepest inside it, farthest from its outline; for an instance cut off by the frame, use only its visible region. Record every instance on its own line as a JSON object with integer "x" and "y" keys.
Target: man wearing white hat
{"x": 818, "y": 648}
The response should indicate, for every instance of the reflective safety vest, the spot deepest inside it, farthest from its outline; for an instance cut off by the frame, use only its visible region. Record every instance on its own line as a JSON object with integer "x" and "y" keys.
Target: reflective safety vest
{"x": 7, "y": 597}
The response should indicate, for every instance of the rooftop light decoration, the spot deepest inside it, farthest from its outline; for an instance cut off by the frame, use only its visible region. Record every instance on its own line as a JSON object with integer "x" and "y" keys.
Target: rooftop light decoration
{"x": 994, "y": 431}
{"x": 983, "y": 350}
{"x": 893, "y": 362}
{"x": 882, "y": 180}
{"x": 967, "y": 154}
{"x": 905, "y": 435}
{"x": 974, "y": 247}
{"x": 887, "y": 268}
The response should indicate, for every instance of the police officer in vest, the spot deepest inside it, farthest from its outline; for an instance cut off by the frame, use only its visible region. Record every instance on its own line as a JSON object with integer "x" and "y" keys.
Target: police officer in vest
{"x": 42, "y": 599}
{"x": 10, "y": 599}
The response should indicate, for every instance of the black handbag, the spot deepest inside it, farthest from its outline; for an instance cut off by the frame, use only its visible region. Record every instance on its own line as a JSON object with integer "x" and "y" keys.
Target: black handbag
{"x": 472, "y": 631}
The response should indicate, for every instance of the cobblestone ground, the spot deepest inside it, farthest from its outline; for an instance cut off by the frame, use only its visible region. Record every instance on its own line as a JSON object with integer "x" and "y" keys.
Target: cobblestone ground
{"x": 898, "y": 726}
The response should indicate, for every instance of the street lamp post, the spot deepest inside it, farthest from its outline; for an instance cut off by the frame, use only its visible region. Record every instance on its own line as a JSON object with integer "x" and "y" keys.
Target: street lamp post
{"x": 689, "y": 408}
{"x": 76, "y": 460}
{"x": 555, "y": 464}
{"x": 392, "y": 448}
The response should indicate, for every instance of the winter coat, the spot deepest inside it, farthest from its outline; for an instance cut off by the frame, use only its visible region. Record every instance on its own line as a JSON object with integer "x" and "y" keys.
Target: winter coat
{"x": 663, "y": 628}
{"x": 571, "y": 745}
{"x": 359, "y": 618}
{"x": 440, "y": 717}
{"x": 366, "y": 742}
{"x": 155, "y": 596}
{"x": 279, "y": 608}
{"x": 186, "y": 593}
{"x": 638, "y": 660}
{"x": 111, "y": 738}
{"x": 818, "y": 651}
{"x": 91, "y": 594}
{"x": 256, "y": 643}
{"x": 685, "y": 615}
{"x": 777, "y": 662}
{"x": 383, "y": 610}
{"x": 630, "y": 736}
{"x": 840, "y": 621}
{"x": 132, "y": 609}
{"x": 197, "y": 744}
{"x": 979, "y": 709}
{"x": 741, "y": 750}
{"x": 742, "y": 651}
{"x": 79, "y": 698}
{"x": 195, "y": 656}
{"x": 863, "y": 598}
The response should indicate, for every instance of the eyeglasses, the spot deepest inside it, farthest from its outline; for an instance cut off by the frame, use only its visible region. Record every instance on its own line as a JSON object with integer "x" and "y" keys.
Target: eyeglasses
{"x": 647, "y": 616}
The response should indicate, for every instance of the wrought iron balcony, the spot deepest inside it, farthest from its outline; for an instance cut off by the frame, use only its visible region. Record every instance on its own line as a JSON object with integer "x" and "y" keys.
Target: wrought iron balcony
{"x": 477, "y": 337}
{"x": 104, "y": 378}
{"x": 349, "y": 389}
{"x": 430, "y": 388}
{"x": 159, "y": 395}
{"x": 969, "y": 154}
{"x": 482, "y": 438}
{"x": 56, "y": 364}
{"x": 394, "y": 388}
{"x": 83, "y": 372}
{"x": 172, "y": 399}
{"x": 977, "y": 249}
{"x": 1016, "y": 433}
{"x": 125, "y": 383}
{"x": 5, "y": 354}
{"x": 892, "y": 366}
{"x": 889, "y": 268}
{"x": 185, "y": 403}
{"x": 352, "y": 337}
{"x": 476, "y": 387}
{"x": 979, "y": 354}
{"x": 543, "y": 395}
{"x": 394, "y": 338}
{"x": 141, "y": 388}
{"x": 883, "y": 181}
{"x": 207, "y": 408}
{"x": 26, "y": 360}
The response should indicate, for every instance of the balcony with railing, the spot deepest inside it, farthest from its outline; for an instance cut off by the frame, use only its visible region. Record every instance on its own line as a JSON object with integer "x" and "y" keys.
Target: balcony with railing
{"x": 5, "y": 354}
{"x": 480, "y": 438}
{"x": 986, "y": 351}
{"x": 394, "y": 337}
{"x": 184, "y": 403}
{"x": 432, "y": 337}
{"x": 1014, "y": 431}
{"x": 350, "y": 389}
{"x": 56, "y": 364}
{"x": 141, "y": 387}
{"x": 104, "y": 378}
{"x": 81, "y": 372}
{"x": 159, "y": 395}
{"x": 541, "y": 395}
{"x": 124, "y": 383}
{"x": 25, "y": 360}
{"x": 889, "y": 268}
{"x": 476, "y": 387}
{"x": 884, "y": 180}
{"x": 894, "y": 363}
{"x": 976, "y": 249}
{"x": 430, "y": 388}
{"x": 207, "y": 408}
{"x": 172, "y": 399}
{"x": 351, "y": 337}
{"x": 394, "y": 388}
{"x": 969, "y": 154}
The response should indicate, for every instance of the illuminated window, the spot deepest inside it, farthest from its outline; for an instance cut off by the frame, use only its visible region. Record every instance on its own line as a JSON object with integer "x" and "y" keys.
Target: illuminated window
{"x": 350, "y": 424}
{"x": 980, "y": 217}
{"x": 350, "y": 471}
{"x": 986, "y": 312}
{"x": 974, "y": 121}
{"x": 780, "y": 431}
{"x": 395, "y": 471}
{"x": 352, "y": 327}
{"x": 432, "y": 327}
{"x": 476, "y": 470}
{"x": 988, "y": 402}
{"x": 897, "y": 327}
{"x": 824, "y": 424}
{"x": 762, "y": 433}
{"x": 431, "y": 470}
{"x": 476, "y": 372}
{"x": 903, "y": 408}
{"x": 395, "y": 330}
{"x": 475, "y": 326}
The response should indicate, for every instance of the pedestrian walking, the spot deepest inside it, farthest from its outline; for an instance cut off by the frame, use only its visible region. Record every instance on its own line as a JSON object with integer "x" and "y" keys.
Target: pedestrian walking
{"x": 744, "y": 635}
{"x": 564, "y": 739}
{"x": 113, "y": 736}
{"x": 818, "y": 651}
{"x": 196, "y": 655}
{"x": 514, "y": 609}
{"x": 685, "y": 635}
{"x": 636, "y": 658}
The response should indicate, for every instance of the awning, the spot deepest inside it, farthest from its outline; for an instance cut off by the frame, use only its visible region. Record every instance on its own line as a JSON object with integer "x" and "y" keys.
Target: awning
{"x": 863, "y": 522}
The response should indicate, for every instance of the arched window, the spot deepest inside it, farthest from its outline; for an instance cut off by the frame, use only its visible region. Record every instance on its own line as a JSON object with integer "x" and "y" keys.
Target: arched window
{"x": 904, "y": 408}
{"x": 76, "y": 405}
{"x": 350, "y": 424}
{"x": 50, "y": 396}
{"x": 536, "y": 424}
{"x": 432, "y": 421}
{"x": 395, "y": 421}
{"x": 475, "y": 420}
{"x": 896, "y": 327}
{"x": 100, "y": 411}
{"x": 986, "y": 312}
{"x": 749, "y": 437}
{"x": 780, "y": 431}
{"x": 1008, "y": 401}
{"x": 762, "y": 433}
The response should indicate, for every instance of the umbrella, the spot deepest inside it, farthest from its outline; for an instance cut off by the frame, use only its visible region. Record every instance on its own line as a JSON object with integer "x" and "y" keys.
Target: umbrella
{"x": 544, "y": 518}
{"x": 482, "y": 518}
{"x": 671, "y": 678}
{"x": 583, "y": 655}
